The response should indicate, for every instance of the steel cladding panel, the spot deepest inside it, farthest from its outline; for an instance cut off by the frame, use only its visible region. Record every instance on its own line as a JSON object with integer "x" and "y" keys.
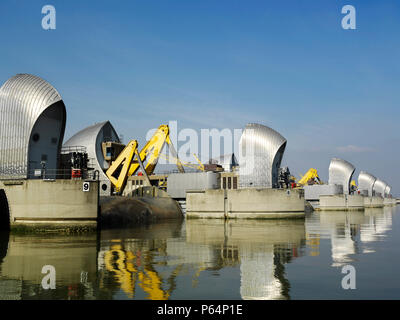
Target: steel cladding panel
{"x": 261, "y": 151}
{"x": 340, "y": 172}
{"x": 179, "y": 183}
{"x": 387, "y": 191}
{"x": 23, "y": 98}
{"x": 91, "y": 138}
{"x": 380, "y": 186}
{"x": 366, "y": 182}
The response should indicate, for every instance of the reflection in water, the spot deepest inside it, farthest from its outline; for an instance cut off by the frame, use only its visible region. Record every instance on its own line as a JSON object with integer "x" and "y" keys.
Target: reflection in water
{"x": 349, "y": 231}
{"x": 261, "y": 248}
{"x": 74, "y": 258}
{"x": 240, "y": 258}
{"x": 129, "y": 258}
{"x": 378, "y": 224}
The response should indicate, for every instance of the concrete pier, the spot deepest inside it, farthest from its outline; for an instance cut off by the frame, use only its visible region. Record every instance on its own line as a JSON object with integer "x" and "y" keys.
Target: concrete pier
{"x": 51, "y": 204}
{"x": 389, "y": 202}
{"x": 352, "y": 202}
{"x": 313, "y": 192}
{"x": 249, "y": 203}
{"x": 373, "y": 202}
{"x": 343, "y": 202}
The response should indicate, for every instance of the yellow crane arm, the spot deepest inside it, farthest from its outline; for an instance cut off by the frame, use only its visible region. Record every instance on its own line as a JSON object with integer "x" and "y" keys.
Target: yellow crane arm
{"x": 185, "y": 164}
{"x": 150, "y": 152}
{"x": 201, "y": 166}
{"x": 311, "y": 174}
{"x": 123, "y": 161}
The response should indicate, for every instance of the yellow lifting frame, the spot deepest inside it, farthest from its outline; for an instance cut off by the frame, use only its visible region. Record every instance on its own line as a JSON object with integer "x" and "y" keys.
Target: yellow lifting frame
{"x": 311, "y": 174}
{"x": 150, "y": 152}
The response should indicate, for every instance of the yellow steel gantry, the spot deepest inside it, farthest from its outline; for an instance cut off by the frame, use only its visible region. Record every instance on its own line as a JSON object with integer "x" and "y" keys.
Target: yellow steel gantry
{"x": 129, "y": 160}
{"x": 311, "y": 174}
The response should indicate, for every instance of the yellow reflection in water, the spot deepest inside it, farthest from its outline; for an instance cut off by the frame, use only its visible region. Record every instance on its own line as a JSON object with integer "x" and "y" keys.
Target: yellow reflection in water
{"x": 120, "y": 262}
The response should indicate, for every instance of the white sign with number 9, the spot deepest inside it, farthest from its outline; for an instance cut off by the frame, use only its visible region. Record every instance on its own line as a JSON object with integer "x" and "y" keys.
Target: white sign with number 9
{"x": 86, "y": 186}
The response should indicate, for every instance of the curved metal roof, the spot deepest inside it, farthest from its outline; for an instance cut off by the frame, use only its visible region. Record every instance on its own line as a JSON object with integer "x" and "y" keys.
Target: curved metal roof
{"x": 23, "y": 98}
{"x": 91, "y": 138}
{"x": 340, "y": 172}
{"x": 366, "y": 182}
{"x": 380, "y": 187}
{"x": 261, "y": 151}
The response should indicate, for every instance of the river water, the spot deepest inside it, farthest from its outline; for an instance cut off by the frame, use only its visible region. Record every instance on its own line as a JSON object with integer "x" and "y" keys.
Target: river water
{"x": 212, "y": 259}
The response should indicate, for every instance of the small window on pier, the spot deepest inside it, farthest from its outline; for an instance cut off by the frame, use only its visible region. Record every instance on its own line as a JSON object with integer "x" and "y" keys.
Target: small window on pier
{"x": 234, "y": 182}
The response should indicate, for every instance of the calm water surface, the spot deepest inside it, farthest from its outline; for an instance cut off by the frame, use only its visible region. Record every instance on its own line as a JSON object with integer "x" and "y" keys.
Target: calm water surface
{"x": 212, "y": 259}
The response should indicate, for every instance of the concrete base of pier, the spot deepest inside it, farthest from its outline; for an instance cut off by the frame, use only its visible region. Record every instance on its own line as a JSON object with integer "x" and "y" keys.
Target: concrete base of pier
{"x": 248, "y": 203}
{"x": 342, "y": 202}
{"x": 373, "y": 202}
{"x": 51, "y": 204}
{"x": 389, "y": 202}
{"x": 313, "y": 192}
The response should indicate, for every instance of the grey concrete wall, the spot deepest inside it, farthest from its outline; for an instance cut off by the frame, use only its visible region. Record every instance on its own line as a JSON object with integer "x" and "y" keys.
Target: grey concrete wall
{"x": 56, "y": 201}
{"x": 355, "y": 201}
{"x": 208, "y": 203}
{"x": 313, "y": 192}
{"x": 246, "y": 203}
{"x": 373, "y": 202}
{"x": 179, "y": 183}
{"x": 341, "y": 202}
{"x": 335, "y": 201}
{"x": 389, "y": 202}
{"x": 265, "y": 200}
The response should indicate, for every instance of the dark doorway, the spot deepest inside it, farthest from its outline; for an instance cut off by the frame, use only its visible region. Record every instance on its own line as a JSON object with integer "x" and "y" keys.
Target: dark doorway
{"x": 4, "y": 212}
{"x": 4, "y": 238}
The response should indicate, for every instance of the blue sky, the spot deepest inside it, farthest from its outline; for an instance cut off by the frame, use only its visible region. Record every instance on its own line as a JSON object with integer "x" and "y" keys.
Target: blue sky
{"x": 221, "y": 64}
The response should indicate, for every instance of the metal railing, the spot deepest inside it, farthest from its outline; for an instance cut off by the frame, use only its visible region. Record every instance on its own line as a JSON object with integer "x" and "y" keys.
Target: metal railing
{"x": 54, "y": 174}
{"x": 67, "y": 174}
{"x": 70, "y": 149}
{"x": 166, "y": 172}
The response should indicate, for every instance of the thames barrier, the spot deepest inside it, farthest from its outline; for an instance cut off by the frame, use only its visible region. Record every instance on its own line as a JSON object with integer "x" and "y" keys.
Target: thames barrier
{"x": 94, "y": 180}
